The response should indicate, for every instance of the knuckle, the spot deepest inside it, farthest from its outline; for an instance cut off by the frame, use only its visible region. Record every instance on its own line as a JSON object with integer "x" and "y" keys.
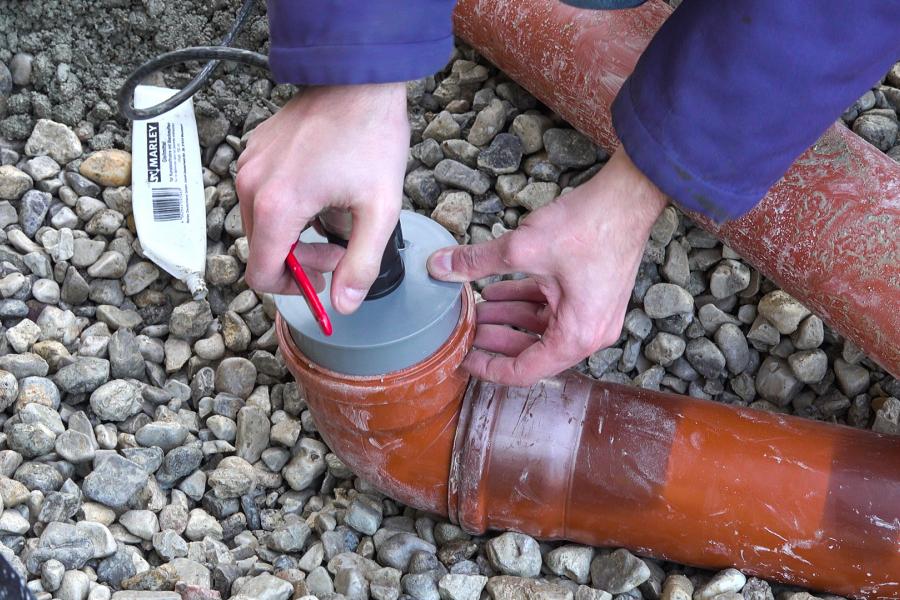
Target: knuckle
{"x": 246, "y": 182}
{"x": 518, "y": 250}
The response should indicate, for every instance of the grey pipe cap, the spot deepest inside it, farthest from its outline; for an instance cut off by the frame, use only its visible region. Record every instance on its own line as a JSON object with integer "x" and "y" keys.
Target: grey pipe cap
{"x": 390, "y": 333}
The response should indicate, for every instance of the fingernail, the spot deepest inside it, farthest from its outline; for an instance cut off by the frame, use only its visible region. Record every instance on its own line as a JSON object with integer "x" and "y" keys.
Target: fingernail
{"x": 439, "y": 265}
{"x": 353, "y": 297}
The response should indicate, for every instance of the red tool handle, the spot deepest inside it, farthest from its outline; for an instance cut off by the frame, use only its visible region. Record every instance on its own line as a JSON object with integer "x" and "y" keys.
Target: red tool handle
{"x": 309, "y": 292}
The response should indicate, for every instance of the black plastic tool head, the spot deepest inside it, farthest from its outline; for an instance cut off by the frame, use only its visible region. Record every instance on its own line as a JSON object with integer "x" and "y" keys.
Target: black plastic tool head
{"x": 390, "y": 276}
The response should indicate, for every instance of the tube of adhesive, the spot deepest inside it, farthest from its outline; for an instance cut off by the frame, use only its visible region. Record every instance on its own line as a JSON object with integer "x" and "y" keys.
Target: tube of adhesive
{"x": 167, "y": 189}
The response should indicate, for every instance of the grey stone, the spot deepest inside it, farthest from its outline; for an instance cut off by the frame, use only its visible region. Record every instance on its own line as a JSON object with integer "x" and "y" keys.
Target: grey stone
{"x": 488, "y": 123}
{"x": 676, "y": 268}
{"x": 809, "y": 366}
{"x": 75, "y": 447}
{"x": 852, "y": 379}
{"x": 878, "y": 129}
{"x": 571, "y": 561}
{"x": 266, "y": 587}
{"x": 809, "y": 334}
{"x": 515, "y": 554}
{"x": 115, "y": 317}
{"x": 530, "y": 129}
{"x": 116, "y": 400}
{"x": 618, "y": 572}
{"x": 307, "y": 464}
{"x": 536, "y": 194}
{"x": 114, "y": 481}
{"x": 428, "y": 152}
{"x": 178, "y": 464}
{"x": 461, "y": 587}
{"x": 364, "y": 514}
{"x": 201, "y": 524}
{"x": 13, "y": 182}
{"x": 454, "y": 211}
{"x": 30, "y": 439}
{"x": 731, "y": 341}
{"x": 162, "y": 434}
{"x": 24, "y": 365}
{"x": 82, "y": 185}
{"x": 569, "y": 148}
{"x": 52, "y": 573}
{"x": 190, "y": 320}
{"x": 421, "y": 186}
{"x": 887, "y": 418}
{"x": 763, "y": 332}
{"x": 168, "y": 544}
{"x": 664, "y": 349}
{"x": 729, "y": 580}
{"x": 290, "y": 538}
{"x": 125, "y": 360}
{"x": 782, "y": 311}
{"x": 58, "y": 325}
{"x": 453, "y": 173}
{"x": 142, "y": 523}
{"x": 502, "y": 156}
{"x": 705, "y": 357}
{"x": 665, "y": 300}
{"x": 40, "y": 168}
{"x": 32, "y": 210}
{"x": 235, "y": 376}
{"x": 776, "y": 382}
{"x": 397, "y": 551}
{"x": 9, "y": 389}
{"x": 442, "y": 127}
{"x": 728, "y": 278}
{"x": 506, "y": 587}
{"x": 53, "y": 139}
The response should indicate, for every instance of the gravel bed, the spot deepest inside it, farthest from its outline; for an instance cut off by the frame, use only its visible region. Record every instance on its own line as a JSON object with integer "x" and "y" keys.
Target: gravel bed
{"x": 153, "y": 446}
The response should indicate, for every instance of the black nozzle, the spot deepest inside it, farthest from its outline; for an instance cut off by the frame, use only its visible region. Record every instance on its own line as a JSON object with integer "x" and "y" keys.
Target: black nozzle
{"x": 392, "y": 270}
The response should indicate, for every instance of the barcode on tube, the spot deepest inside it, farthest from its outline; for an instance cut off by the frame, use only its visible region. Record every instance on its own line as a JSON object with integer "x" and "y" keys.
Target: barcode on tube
{"x": 167, "y": 204}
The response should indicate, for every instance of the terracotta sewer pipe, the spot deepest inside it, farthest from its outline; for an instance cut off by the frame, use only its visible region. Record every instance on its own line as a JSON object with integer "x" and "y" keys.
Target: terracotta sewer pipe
{"x": 785, "y": 498}
{"x": 828, "y": 233}
{"x": 572, "y": 458}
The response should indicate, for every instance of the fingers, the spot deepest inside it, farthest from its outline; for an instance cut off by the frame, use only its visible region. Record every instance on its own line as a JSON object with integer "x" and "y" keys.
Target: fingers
{"x": 468, "y": 263}
{"x": 526, "y": 368}
{"x": 502, "y": 340}
{"x": 373, "y": 224}
{"x": 281, "y": 220}
{"x": 524, "y": 315}
{"x": 518, "y": 289}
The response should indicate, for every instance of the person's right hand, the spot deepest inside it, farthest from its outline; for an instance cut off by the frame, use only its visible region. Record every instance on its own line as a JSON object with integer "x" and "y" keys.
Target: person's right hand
{"x": 338, "y": 147}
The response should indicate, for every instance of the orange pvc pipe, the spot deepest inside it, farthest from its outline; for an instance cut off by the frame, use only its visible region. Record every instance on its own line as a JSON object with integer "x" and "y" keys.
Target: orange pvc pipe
{"x": 687, "y": 480}
{"x": 827, "y": 232}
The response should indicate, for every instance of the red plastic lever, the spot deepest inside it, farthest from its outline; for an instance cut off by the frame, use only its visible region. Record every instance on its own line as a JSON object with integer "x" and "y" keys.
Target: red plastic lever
{"x": 309, "y": 292}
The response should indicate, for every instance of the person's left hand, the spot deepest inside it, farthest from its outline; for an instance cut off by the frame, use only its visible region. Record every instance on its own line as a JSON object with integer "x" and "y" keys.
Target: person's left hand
{"x": 581, "y": 253}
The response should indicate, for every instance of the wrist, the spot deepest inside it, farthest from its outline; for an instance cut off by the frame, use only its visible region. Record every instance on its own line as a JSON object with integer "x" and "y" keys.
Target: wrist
{"x": 626, "y": 193}
{"x": 376, "y": 98}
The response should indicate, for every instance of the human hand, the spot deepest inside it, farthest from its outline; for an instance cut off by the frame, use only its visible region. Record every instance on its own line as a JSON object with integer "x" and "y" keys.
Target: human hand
{"x": 334, "y": 147}
{"x": 581, "y": 253}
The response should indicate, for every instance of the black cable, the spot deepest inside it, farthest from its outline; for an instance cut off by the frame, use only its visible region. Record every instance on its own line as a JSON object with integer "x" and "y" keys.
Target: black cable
{"x": 214, "y": 54}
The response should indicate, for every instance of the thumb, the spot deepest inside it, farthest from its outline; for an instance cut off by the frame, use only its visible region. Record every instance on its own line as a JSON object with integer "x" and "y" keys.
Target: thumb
{"x": 357, "y": 270}
{"x": 468, "y": 263}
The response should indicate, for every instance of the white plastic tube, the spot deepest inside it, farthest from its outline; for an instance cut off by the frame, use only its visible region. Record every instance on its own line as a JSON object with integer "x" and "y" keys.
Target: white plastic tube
{"x": 167, "y": 189}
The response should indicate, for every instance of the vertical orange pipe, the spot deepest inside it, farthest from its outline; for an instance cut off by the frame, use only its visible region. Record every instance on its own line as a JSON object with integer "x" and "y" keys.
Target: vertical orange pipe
{"x": 827, "y": 233}
{"x": 396, "y": 430}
